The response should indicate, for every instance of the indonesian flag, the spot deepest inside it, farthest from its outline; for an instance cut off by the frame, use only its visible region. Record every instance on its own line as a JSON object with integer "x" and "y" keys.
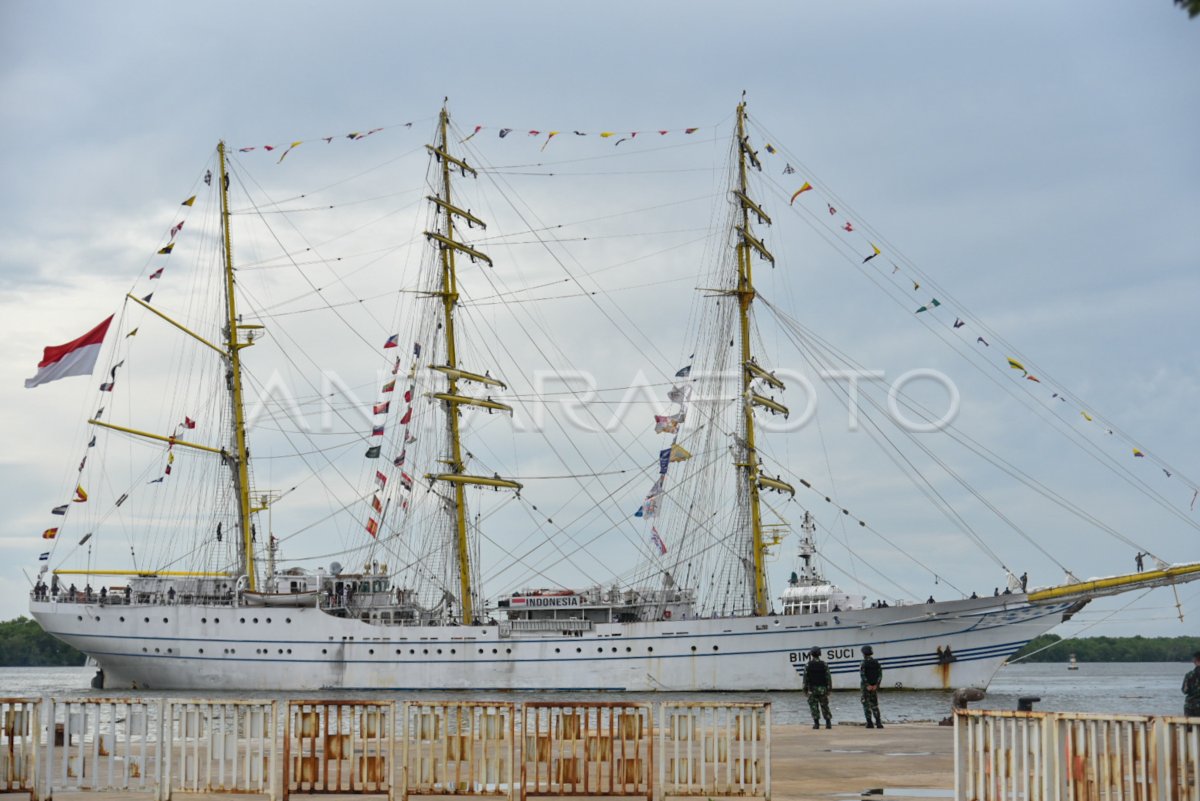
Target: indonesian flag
{"x": 77, "y": 357}
{"x": 658, "y": 541}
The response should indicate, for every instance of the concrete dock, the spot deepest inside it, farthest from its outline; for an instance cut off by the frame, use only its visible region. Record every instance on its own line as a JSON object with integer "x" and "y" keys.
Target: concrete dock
{"x": 849, "y": 760}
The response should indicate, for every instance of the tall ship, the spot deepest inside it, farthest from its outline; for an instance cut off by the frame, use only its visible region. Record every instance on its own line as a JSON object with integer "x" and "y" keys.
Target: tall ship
{"x": 401, "y": 544}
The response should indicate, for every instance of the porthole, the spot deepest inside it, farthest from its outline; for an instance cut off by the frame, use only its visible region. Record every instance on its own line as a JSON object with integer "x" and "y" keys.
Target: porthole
{"x": 156, "y": 650}
{"x": 324, "y": 651}
{"x": 255, "y": 620}
{"x": 508, "y": 650}
{"x": 578, "y": 650}
{"x": 557, "y": 650}
{"x": 397, "y": 652}
{"x": 715, "y": 648}
{"x": 693, "y": 649}
{"x": 481, "y": 650}
{"x": 628, "y": 649}
{"x": 371, "y": 651}
{"x": 650, "y": 649}
{"x": 201, "y": 650}
{"x": 451, "y": 651}
{"x": 122, "y": 618}
{"x": 614, "y": 650}
{"x": 144, "y": 651}
{"x": 79, "y": 617}
{"x": 242, "y": 620}
{"x": 164, "y": 620}
{"x": 146, "y": 619}
{"x": 439, "y": 650}
{"x": 287, "y": 620}
{"x": 216, "y": 620}
{"x": 411, "y": 651}
{"x": 202, "y": 620}
{"x": 289, "y": 650}
{"x": 268, "y": 620}
{"x": 494, "y": 651}
{"x": 424, "y": 650}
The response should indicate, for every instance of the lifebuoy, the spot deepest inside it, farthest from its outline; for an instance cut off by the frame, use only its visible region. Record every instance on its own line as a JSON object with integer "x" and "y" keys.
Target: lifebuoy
{"x": 667, "y": 615}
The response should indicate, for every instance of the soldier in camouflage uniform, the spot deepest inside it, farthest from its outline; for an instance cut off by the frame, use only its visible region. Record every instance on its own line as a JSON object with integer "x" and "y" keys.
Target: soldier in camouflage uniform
{"x": 817, "y": 683}
{"x": 1191, "y": 689}
{"x": 870, "y": 674}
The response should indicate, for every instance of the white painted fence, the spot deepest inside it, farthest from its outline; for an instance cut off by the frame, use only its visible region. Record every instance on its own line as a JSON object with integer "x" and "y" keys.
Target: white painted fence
{"x": 221, "y": 747}
{"x": 162, "y": 748}
{"x": 459, "y": 748}
{"x": 19, "y": 744}
{"x": 714, "y": 749}
{"x": 1003, "y": 755}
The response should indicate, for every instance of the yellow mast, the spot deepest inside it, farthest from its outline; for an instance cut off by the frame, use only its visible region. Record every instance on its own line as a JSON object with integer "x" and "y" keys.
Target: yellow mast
{"x": 457, "y": 478}
{"x": 745, "y": 295}
{"x": 240, "y": 457}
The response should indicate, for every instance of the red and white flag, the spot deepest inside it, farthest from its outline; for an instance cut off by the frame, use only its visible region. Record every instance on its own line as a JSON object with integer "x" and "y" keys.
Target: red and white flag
{"x": 77, "y": 357}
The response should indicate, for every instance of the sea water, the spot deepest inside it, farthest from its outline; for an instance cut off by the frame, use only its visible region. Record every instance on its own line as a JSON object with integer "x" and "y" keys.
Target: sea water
{"x": 1151, "y": 688}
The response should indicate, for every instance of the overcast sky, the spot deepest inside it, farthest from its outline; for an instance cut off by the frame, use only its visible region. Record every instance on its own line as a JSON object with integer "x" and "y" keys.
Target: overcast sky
{"x": 1038, "y": 159}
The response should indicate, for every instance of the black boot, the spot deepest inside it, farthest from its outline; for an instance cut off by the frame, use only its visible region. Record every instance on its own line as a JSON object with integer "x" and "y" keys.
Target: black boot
{"x": 878, "y": 723}
{"x": 870, "y": 725}
{"x": 828, "y": 723}
{"x": 816, "y": 724}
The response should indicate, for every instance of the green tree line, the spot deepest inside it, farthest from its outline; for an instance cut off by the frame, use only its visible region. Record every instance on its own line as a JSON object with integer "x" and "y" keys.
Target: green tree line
{"x": 1109, "y": 649}
{"x": 24, "y": 644}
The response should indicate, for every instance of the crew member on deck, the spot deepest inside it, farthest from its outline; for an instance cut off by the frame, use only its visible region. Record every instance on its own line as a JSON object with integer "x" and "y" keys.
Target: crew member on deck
{"x": 817, "y": 683}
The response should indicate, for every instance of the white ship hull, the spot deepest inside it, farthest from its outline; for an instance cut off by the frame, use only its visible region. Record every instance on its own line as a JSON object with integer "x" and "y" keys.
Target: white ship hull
{"x": 173, "y": 647}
